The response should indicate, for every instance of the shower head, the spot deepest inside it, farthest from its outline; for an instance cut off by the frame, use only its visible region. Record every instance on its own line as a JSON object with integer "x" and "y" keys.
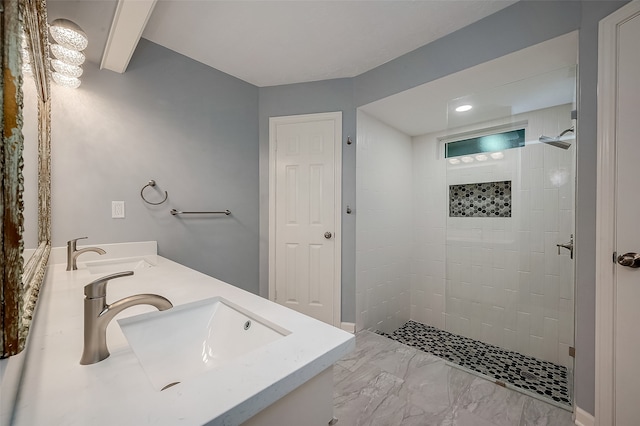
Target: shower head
{"x": 558, "y": 140}
{"x": 555, "y": 142}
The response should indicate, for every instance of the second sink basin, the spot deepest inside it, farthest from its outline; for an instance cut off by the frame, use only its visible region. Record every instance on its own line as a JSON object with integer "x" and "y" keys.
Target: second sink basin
{"x": 191, "y": 339}
{"x": 116, "y": 265}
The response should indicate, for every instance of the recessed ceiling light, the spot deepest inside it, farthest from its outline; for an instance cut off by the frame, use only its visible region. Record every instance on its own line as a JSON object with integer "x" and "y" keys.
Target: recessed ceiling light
{"x": 463, "y": 108}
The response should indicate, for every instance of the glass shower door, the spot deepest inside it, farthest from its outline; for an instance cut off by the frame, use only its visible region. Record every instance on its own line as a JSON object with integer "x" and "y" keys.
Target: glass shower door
{"x": 509, "y": 286}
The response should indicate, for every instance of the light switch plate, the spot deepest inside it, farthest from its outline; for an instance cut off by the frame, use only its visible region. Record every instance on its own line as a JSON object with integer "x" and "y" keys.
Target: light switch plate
{"x": 117, "y": 209}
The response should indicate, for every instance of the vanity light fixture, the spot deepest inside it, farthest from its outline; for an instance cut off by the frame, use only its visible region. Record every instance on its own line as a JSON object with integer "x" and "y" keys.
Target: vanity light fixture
{"x": 497, "y": 155}
{"x": 467, "y": 159}
{"x": 66, "y": 69}
{"x": 68, "y": 34}
{"x": 454, "y": 161}
{"x": 63, "y": 80}
{"x": 71, "y": 57}
{"x": 481, "y": 157}
{"x": 463, "y": 108}
{"x": 67, "y": 57}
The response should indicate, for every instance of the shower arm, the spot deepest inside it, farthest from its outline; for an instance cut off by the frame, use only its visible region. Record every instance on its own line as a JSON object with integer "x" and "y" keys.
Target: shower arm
{"x": 570, "y": 129}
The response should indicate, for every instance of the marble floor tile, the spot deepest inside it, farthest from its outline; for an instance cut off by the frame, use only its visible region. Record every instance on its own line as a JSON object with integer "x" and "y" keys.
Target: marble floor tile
{"x": 386, "y": 383}
{"x": 368, "y": 345}
{"x": 435, "y": 387}
{"x": 363, "y": 398}
{"x": 538, "y": 413}
{"x": 499, "y": 405}
{"x": 402, "y": 361}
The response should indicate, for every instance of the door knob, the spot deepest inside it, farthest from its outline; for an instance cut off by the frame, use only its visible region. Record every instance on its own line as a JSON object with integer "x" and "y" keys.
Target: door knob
{"x": 327, "y": 235}
{"x": 632, "y": 260}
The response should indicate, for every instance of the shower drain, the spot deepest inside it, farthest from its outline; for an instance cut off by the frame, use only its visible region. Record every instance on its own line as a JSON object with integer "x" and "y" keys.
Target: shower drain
{"x": 528, "y": 375}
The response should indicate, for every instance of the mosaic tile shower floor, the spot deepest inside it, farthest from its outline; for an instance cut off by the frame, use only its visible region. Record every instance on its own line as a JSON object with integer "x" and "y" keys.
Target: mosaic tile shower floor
{"x": 535, "y": 376}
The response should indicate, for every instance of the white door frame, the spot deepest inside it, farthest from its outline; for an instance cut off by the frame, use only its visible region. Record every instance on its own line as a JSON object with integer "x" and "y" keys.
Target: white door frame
{"x": 606, "y": 199}
{"x": 305, "y": 118}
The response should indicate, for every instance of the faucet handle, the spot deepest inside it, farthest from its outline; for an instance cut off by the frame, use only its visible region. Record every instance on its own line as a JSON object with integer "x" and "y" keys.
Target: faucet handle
{"x": 72, "y": 243}
{"x": 98, "y": 288}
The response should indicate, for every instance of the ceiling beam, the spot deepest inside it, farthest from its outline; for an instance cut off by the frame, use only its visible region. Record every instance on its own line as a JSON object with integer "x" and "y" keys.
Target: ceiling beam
{"x": 128, "y": 24}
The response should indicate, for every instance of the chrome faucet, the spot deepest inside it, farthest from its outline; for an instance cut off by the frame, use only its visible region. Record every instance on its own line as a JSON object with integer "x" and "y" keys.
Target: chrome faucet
{"x": 568, "y": 246}
{"x": 73, "y": 253}
{"x": 98, "y": 314}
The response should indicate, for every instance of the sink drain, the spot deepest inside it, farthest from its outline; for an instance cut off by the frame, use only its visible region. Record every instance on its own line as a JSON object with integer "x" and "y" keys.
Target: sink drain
{"x": 247, "y": 325}
{"x": 169, "y": 385}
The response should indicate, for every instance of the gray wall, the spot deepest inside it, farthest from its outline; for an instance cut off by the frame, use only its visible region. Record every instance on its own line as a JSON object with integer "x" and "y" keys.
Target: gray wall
{"x": 308, "y": 98}
{"x": 191, "y": 128}
{"x": 524, "y": 24}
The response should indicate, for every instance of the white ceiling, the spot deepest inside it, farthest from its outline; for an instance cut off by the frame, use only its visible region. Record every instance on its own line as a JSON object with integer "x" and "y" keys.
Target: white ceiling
{"x": 269, "y": 43}
{"x": 537, "y": 77}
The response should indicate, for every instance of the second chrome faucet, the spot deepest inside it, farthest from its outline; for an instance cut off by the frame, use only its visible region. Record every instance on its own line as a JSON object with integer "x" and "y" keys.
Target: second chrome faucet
{"x": 73, "y": 253}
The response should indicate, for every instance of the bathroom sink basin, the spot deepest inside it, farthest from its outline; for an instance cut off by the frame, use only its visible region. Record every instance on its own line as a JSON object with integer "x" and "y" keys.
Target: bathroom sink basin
{"x": 116, "y": 265}
{"x": 191, "y": 339}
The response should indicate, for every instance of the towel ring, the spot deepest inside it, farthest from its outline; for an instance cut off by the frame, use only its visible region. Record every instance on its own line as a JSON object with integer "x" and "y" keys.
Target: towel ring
{"x": 152, "y": 183}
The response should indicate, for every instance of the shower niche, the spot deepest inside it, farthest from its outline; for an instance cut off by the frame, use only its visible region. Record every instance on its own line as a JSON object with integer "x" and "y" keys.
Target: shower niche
{"x": 473, "y": 274}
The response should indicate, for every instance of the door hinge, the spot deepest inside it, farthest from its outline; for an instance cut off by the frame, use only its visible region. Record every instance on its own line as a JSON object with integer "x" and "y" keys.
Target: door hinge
{"x": 572, "y": 352}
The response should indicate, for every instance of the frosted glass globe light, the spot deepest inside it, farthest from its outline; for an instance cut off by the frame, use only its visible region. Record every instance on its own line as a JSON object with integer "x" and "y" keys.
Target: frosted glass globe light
{"x": 68, "y": 34}
{"x": 66, "y": 69}
{"x": 71, "y": 57}
{"x": 65, "y": 81}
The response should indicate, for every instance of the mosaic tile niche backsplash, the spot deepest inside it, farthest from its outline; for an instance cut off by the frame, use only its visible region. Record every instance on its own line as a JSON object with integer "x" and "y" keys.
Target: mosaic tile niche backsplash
{"x": 487, "y": 199}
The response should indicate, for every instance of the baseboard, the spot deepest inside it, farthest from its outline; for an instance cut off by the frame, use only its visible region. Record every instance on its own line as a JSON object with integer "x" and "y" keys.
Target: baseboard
{"x": 348, "y": 326}
{"x": 583, "y": 418}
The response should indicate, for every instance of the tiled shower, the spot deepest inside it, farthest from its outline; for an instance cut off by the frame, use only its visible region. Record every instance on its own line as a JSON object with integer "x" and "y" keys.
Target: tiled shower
{"x": 422, "y": 256}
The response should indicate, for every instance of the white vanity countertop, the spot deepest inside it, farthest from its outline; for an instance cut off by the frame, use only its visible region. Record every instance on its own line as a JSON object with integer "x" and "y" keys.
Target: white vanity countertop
{"x": 57, "y": 390}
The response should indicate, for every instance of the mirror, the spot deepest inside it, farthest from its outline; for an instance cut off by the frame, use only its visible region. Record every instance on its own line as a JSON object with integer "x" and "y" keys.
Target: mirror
{"x": 21, "y": 281}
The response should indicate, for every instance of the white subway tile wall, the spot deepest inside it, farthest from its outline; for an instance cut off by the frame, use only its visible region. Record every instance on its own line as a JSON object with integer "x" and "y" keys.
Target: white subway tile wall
{"x": 384, "y": 226}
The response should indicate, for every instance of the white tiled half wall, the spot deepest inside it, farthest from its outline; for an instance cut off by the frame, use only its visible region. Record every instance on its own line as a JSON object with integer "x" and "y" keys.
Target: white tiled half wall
{"x": 383, "y": 226}
{"x": 497, "y": 280}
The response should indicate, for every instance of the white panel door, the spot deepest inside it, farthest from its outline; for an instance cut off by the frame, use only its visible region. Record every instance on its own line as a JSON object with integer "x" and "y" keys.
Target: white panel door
{"x": 618, "y": 215}
{"x": 627, "y": 279}
{"x": 305, "y": 204}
